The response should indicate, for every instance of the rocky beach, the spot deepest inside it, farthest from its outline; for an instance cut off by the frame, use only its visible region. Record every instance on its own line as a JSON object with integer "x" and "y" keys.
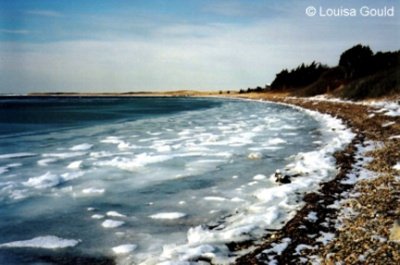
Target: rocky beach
{"x": 352, "y": 219}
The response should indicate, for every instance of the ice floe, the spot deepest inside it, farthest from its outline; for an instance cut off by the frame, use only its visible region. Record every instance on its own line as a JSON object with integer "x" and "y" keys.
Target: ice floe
{"x": 49, "y": 242}
{"x": 81, "y": 147}
{"x": 124, "y": 249}
{"x": 44, "y": 181}
{"x": 112, "y": 223}
{"x": 115, "y": 214}
{"x": 168, "y": 215}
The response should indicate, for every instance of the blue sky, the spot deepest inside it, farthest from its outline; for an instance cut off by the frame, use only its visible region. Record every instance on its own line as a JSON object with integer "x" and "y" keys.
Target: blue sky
{"x": 139, "y": 45}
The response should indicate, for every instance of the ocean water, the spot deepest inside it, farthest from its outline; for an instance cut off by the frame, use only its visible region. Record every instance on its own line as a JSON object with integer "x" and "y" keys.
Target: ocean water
{"x": 152, "y": 180}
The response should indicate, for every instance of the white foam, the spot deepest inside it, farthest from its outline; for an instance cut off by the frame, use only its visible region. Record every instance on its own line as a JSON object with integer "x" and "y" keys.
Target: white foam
{"x": 16, "y": 155}
{"x": 124, "y": 249}
{"x": 168, "y": 215}
{"x": 115, "y": 214}
{"x": 81, "y": 147}
{"x": 49, "y": 242}
{"x": 45, "y": 181}
{"x": 112, "y": 223}
{"x": 75, "y": 164}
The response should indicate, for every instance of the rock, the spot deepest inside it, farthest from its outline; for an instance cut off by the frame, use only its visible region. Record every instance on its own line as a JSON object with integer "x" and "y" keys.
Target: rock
{"x": 395, "y": 231}
{"x": 284, "y": 179}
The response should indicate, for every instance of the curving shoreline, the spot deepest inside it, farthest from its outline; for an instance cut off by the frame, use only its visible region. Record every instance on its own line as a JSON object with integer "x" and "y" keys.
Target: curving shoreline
{"x": 355, "y": 214}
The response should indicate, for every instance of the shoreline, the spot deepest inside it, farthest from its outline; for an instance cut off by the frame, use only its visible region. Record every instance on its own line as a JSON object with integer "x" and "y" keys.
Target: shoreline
{"x": 339, "y": 203}
{"x": 352, "y": 212}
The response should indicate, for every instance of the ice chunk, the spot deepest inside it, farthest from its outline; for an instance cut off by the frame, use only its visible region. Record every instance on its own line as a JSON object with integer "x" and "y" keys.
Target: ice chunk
{"x": 16, "y": 155}
{"x": 112, "y": 223}
{"x": 75, "y": 164}
{"x": 81, "y": 147}
{"x": 312, "y": 217}
{"x": 46, "y": 161}
{"x": 115, "y": 214}
{"x": 45, "y": 181}
{"x": 255, "y": 156}
{"x": 168, "y": 215}
{"x": 64, "y": 155}
{"x": 259, "y": 177}
{"x": 97, "y": 216}
{"x": 214, "y": 198}
{"x": 49, "y": 242}
{"x": 325, "y": 238}
{"x": 124, "y": 249}
{"x": 93, "y": 191}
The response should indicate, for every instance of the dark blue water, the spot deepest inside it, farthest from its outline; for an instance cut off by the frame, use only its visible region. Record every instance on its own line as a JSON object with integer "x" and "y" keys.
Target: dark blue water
{"x": 22, "y": 115}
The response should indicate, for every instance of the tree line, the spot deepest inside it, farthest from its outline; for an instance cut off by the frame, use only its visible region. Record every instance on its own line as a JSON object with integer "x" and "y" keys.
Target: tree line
{"x": 379, "y": 72}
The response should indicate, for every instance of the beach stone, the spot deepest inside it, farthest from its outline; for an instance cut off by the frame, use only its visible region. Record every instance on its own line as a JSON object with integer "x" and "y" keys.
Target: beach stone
{"x": 395, "y": 231}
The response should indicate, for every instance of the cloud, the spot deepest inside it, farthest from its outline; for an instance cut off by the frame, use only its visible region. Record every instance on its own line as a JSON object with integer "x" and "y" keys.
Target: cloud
{"x": 178, "y": 55}
{"x": 44, "y": 13}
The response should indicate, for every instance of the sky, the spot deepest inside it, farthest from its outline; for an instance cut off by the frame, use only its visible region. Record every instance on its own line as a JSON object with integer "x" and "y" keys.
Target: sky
{"x": 158, "y": 45}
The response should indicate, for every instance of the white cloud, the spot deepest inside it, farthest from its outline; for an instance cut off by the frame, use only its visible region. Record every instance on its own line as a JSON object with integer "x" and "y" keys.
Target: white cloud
{"x": 187, "y": 56}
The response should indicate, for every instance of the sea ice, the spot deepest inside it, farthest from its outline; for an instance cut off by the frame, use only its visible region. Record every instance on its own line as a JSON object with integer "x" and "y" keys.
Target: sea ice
{"x": 75, "y": 164}
{"x": 49, "y": 242}
{"x": 124, "y": 249}
{"x": 112, "y": 223}
{"x": 325, "y": 238}
{"x": 93, "y": 191}
{"x": 168, "y": 215}
{"x": 45, "y": 181}
{"x": 16, "y": 155}
{"x": 214, "y": 198}
{"x": 115, "y": 214}
{"x": 46, "y": 161}
{"x": 81, "y": 147}
{"x": 97, "y": 216}
{"x": 312, "y": 217}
